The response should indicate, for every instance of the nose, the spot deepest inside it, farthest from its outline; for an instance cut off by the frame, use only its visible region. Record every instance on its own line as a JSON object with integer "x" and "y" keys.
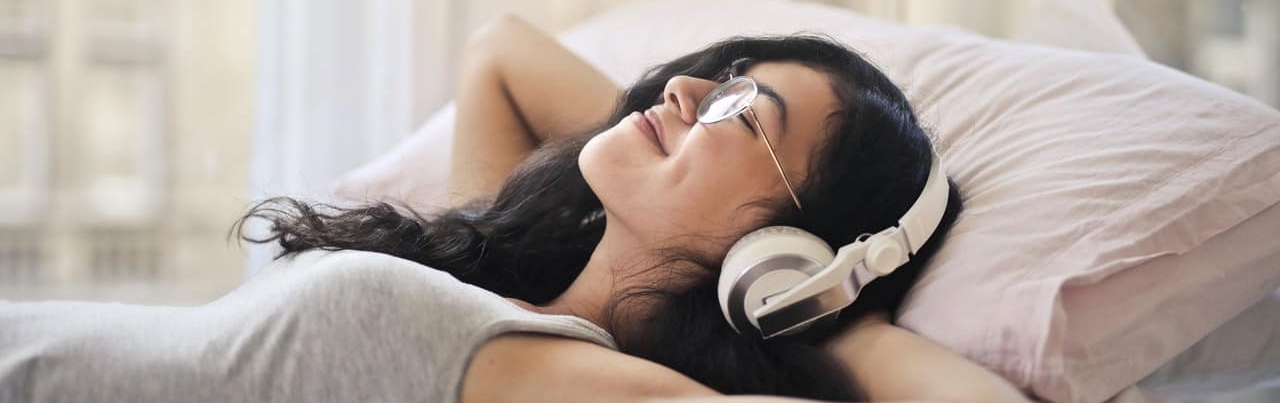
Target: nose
{"x": 683, "y": 94}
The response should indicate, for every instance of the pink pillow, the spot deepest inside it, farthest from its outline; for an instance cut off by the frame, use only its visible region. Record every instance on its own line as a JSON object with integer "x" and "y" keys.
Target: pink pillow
{"x": 1093, "y": 183}
{"x": 1087, "y": 179}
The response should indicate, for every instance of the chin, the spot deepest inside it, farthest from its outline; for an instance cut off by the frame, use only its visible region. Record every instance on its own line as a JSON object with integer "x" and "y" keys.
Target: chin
{"x": 613, "y": 171}
{"x": 593, "y": 161}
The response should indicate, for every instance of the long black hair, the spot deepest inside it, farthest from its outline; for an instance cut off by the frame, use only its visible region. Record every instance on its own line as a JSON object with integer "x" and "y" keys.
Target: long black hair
{"x": 531, "y": 244}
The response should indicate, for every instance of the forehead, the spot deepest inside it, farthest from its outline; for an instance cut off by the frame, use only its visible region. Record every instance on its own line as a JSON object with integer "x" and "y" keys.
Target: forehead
{"x": 807, "y": 93}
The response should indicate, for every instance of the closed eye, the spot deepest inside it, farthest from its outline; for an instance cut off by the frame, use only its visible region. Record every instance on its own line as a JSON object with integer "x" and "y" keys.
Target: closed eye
{"x": 742, "y": 117}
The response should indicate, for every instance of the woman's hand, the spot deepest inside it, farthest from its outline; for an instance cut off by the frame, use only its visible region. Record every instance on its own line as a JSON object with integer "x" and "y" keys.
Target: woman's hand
{"x": 889, "y": 363}
{"x": 518, "y": 88}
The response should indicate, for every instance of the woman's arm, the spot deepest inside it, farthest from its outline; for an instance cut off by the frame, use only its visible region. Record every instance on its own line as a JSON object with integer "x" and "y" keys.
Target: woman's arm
{"x": 891, "y": 363}
{"x": 517, "y": 88}
{"x": 533, "y": 368}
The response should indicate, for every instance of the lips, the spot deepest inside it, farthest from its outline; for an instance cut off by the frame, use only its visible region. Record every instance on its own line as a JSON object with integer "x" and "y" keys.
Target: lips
{"x": 656, "y": 121}
{"x": 651, "y": 126}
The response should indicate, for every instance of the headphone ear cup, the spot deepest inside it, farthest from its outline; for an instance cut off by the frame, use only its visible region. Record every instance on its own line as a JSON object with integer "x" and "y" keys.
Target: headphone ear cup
{"x": 745, "y": 278}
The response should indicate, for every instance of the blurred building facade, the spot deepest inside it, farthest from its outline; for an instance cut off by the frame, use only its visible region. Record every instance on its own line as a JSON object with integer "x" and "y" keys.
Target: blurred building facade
{"x": 124, "y": 134}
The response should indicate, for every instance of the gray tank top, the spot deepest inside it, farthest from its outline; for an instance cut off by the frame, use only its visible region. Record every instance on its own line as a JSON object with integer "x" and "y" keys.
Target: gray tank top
{"x": 344, "y": 326}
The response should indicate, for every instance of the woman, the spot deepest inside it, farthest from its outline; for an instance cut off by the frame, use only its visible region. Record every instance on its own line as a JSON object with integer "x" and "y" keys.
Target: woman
{"x": 624, "y": 223}
{"x": 605, "y": 238}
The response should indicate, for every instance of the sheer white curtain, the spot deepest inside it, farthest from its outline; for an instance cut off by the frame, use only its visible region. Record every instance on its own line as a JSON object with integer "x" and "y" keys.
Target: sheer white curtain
{"x": 338, "y": 82}
{"x": 331, "y": 89}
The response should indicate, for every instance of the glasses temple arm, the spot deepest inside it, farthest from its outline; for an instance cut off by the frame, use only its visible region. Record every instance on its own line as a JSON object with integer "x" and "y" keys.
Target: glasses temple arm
{"x": 756, "y": 121}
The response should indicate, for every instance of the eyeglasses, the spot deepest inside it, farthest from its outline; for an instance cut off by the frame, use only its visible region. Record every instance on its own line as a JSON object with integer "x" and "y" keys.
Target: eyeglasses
{"x": 731, "y": 98}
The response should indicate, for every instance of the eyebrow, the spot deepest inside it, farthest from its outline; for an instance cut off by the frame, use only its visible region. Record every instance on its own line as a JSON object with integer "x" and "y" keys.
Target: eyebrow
{"x": 777, "y": 100}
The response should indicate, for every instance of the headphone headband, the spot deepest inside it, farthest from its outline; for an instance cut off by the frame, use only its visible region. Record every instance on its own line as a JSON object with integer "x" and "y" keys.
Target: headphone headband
{"x": 922, "y": 219}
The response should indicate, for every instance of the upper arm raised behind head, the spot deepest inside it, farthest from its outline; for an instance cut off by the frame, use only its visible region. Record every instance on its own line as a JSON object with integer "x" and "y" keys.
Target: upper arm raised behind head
{"x": 529, "y": 367}
{"x": 555, "y": 92}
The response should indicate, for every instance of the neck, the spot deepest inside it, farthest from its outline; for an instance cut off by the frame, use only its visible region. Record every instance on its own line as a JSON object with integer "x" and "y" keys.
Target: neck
{"x": 607, "y": 273}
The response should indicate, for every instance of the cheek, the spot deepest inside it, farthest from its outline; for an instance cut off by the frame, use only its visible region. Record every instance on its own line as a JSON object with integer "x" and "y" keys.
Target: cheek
{"x": 711, "y": 180}
{"x": 730, "y": 169}
{"x": 698, "y": 190}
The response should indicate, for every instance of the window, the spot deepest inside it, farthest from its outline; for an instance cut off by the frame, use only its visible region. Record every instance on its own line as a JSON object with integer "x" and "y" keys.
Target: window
{"x": 121, "y": 144}
{"x": 22, "y": 257}
{"x": 23, "y": 111}
{"x": 121, "y": 153}
{"x": 21, "y": 125}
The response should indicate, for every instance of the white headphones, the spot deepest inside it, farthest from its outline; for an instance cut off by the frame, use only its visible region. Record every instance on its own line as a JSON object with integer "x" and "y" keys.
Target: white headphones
{"x": 780, "y": 279}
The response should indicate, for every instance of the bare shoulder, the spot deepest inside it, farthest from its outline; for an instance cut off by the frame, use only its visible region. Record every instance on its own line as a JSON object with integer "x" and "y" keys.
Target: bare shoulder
{"x": 530, "y": 367}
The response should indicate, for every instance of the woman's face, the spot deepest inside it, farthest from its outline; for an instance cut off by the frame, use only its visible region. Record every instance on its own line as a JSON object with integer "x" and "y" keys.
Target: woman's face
{"x": 660, "y": 174}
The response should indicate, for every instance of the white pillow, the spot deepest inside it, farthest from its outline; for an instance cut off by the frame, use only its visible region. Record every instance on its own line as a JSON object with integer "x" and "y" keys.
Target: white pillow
{"x": 1087, "y": 179}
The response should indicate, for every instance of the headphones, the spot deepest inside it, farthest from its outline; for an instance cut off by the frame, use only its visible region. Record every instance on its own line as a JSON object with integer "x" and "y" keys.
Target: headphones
{"x": 779, "y": 280}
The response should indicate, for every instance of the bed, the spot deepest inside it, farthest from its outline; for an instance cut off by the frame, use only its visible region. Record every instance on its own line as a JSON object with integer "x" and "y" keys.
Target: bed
{"x": 1119, "y": 214}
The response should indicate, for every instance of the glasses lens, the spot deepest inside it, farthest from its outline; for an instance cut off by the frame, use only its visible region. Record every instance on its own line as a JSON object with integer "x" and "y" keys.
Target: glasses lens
{"x": 727, "y": 100}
